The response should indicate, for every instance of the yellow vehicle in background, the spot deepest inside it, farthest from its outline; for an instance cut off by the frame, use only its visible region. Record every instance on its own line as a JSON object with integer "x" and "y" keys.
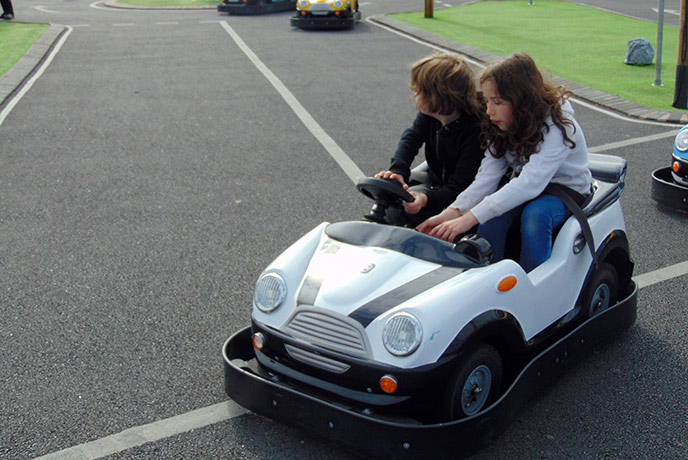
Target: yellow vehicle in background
{"x": 326, "y": 14}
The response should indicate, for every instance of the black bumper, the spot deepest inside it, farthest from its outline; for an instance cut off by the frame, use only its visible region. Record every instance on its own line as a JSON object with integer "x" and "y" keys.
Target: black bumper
{"x": 261, "y": 7}
{"x": 323, "y": 22}
{"x": 402, "y": 438}
{"x": 668, "y": 193}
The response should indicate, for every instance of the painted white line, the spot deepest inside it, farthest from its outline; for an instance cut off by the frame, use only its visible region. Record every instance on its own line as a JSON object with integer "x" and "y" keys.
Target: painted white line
{"x": 342, "y": 159}
{"x": 663, "y": 274}
{"x": 143, "y": 434}
{"x": 674, "y": 12}
{"x": 96, "y": 5}
{"x": 43, "y": 9}
{"x": 46, "y": 62}
{"x": 637, "y": 140}
{"x": 585, "y": 104}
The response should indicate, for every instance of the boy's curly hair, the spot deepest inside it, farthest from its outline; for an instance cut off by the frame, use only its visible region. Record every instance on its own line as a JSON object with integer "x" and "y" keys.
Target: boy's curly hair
{"x": 444, "y": 83}
{"x": 532, "y": 99}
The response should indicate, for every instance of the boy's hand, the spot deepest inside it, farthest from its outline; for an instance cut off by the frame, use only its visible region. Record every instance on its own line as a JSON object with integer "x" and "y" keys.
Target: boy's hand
{"x": 420, "y": 200}
{"x": 393, "y": 176}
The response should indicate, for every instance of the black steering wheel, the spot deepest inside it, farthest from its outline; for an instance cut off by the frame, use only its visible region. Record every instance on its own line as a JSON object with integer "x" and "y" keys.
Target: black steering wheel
{"x": 385, "y": 193}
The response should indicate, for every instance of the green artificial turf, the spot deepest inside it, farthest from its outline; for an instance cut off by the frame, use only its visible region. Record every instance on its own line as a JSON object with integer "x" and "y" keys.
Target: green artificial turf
{"x": 15, "y": 40}
{"x": 581, "y": 44}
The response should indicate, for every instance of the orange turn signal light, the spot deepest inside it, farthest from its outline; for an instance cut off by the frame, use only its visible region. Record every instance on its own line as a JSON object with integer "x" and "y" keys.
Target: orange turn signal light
{"x": 507, "y": 283}
{"x": 258, "y": 340}
{"x": 388, "y": 384}
{"x": 674, "y": 167}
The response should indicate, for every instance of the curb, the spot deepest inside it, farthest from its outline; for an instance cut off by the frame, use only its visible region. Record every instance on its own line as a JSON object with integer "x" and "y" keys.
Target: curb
{"x": 17, "y": 76}
{"x": 593, "y": 96}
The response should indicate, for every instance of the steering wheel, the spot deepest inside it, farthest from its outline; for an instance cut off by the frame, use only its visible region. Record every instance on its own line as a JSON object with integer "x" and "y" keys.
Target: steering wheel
{"x": 385, "y": 193}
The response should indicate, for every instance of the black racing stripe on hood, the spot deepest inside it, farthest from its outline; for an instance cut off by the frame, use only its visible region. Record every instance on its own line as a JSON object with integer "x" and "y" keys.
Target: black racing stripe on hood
{"x": 365, "y": 314}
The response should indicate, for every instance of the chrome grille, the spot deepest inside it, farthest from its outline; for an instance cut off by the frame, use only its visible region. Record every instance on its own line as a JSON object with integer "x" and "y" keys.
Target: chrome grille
{"x": 329, "y": 330}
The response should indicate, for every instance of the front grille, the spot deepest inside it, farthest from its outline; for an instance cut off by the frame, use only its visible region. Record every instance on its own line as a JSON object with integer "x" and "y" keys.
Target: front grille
{"x": 329, "y": 330}
{"x": 317, "y": 360}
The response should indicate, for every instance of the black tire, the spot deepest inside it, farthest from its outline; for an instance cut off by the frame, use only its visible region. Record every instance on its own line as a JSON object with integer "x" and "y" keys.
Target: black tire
{"x": 474, "y": 385}
{"x": 602, "y": 291}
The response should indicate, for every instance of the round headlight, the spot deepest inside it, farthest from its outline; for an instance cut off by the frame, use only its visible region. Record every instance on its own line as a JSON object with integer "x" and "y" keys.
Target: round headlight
{"x": 303, "y": 3}
{"x": 402, "y": 334}
{"x": 271, "y": 290}
{"x": 681, "y": 142}
{"x": 338, "y": 4}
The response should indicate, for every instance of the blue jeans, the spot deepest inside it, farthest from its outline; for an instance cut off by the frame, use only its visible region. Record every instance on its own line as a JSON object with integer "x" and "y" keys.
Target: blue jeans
{"x": 539, "y": 219}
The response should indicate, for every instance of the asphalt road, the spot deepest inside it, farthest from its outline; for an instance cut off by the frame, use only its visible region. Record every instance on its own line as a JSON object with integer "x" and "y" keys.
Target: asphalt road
{"x": 153, "y": 170}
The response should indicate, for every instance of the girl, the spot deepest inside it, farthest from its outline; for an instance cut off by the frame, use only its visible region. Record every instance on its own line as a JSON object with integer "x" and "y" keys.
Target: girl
{"x": 448, "y": 124}
{"x": 532, "y": 131}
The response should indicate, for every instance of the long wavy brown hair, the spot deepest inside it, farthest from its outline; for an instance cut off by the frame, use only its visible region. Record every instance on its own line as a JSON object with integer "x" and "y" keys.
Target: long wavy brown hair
{"x": 532, "y": 99}
{"x": 445, "y": 83}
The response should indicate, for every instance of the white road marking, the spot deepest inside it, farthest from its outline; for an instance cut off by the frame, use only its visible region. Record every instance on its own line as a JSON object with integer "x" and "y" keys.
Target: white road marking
{"x": 96, "y": 5}
{"x": 43, "y": 9}
{"x": 674, "y": 12}
{"x": 635, "y": 141}
{"x": 150, "y": 432}
{"x": 663, "y": 274}
{"x": 44, "y": 65}
{"x": 342, "y": 159}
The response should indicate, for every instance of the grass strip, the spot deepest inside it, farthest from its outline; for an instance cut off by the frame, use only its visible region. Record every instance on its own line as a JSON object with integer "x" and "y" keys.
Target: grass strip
{"x": 579, "y": 43}
{"x": 16, "y": 39}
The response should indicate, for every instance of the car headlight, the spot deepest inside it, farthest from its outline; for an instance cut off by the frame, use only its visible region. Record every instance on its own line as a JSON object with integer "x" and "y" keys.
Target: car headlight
{"x": 338, "y": 4}
{"x": 402, "y": 334}
{"x": 304, "y": 4}
{"x": 681, "y": 142}
{"x": 271, "y": 290}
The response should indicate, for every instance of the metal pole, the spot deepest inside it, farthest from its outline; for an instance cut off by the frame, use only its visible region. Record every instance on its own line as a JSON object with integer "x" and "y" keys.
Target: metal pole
{"x": 660, "y": 37}
{"x": 429, "y": 6}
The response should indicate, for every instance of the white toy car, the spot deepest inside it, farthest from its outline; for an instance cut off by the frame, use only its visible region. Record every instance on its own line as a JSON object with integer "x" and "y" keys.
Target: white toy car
{"x": 670, "y": 184}
{"x": 326, "y": 14}
{"x": 386, "y": 330}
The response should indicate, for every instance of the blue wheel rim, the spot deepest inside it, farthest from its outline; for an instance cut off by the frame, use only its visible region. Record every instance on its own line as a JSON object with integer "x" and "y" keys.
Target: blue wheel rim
{"x": 475, "y": 390}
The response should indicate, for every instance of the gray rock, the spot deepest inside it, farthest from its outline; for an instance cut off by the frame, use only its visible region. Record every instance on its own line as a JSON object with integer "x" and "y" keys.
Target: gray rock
{"x": 640, "y": 52}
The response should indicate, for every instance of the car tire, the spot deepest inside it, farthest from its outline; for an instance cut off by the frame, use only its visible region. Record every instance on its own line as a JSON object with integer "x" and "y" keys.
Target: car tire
{"x": 602, "y": 291}
{"x": 474, "y": 385}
